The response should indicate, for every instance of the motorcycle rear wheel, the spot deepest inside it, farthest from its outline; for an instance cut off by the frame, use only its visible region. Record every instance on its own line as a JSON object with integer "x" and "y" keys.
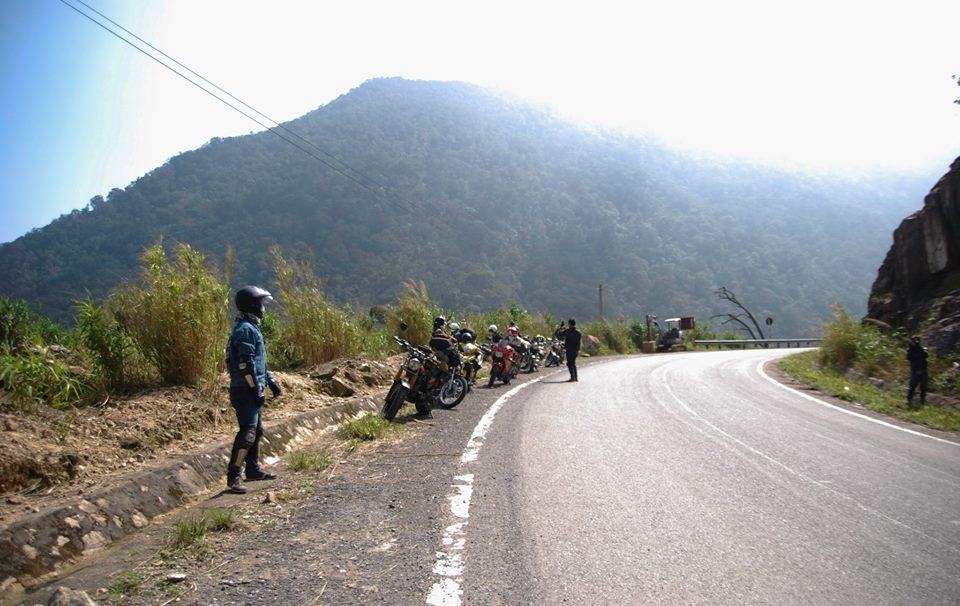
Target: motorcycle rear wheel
{"x": 452, "y": 393}
{"x": 494, "y": 375}
{"x": 394, "y": 401}
{"x": 423, "y": 405}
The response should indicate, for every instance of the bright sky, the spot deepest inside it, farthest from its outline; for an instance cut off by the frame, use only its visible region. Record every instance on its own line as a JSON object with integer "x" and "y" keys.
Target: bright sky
{"x": 836, "y": 85}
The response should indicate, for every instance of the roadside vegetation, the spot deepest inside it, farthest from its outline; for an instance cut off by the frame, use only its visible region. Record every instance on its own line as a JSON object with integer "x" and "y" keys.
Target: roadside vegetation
{"x": 861, "y": 363}
{"x": 169, "y": 328}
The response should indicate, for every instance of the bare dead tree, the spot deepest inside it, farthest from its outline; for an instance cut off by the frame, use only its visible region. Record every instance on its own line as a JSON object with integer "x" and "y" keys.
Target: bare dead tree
{"x": 724, "y": 293}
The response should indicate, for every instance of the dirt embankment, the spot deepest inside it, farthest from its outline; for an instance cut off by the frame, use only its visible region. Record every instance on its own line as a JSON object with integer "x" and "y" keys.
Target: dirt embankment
{"x": 51, "y": 456}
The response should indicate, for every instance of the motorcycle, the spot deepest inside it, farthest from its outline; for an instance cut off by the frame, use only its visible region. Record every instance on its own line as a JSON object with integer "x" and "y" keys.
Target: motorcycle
{"x": 505, "y": 362}
{"x": 556, "y": 354}
{"x": 534, "y": 353}
{"x": 473, "y": 356}
{"x": 423, "y": 380}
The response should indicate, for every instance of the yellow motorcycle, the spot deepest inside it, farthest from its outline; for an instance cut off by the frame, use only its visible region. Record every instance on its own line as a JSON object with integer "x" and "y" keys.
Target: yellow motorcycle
{"x": 473, "y": 357}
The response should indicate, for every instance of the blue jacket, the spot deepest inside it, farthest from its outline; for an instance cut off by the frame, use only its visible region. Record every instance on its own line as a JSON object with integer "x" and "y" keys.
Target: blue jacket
{"x": 246, "y": 345}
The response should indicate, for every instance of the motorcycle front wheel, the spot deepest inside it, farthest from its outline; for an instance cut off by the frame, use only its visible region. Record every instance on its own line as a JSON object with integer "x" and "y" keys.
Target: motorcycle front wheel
{"x": 394, "y": 401}
{"x": 452, "y": 392}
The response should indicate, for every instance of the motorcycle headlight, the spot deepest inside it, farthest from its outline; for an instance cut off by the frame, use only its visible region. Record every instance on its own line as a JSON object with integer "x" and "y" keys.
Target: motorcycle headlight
{"x": 499, "y": 354}
{"x": 413, "y": 365}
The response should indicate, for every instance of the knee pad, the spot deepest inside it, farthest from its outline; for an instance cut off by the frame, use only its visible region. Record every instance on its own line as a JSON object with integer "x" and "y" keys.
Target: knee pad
{"x": 248, "y": 436}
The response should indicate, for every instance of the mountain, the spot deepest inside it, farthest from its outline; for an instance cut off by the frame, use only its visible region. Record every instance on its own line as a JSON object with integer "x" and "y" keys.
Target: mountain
{"x": 489, "y": 201}
{"x": 918, "y": 285}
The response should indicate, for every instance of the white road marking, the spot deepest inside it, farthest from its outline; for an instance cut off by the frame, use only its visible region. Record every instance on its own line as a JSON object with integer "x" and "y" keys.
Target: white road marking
{"x": 849, "y": 412}
{"x": 800, "y": 475}
{"x": 446, "y": 590}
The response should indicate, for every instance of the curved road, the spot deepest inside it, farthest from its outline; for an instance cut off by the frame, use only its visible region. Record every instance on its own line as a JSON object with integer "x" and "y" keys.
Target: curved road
{"x": 696, "y": 479}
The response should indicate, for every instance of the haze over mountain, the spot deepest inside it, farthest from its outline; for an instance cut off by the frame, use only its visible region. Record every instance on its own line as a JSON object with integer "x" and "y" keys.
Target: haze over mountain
{"x": 489, "y": 202}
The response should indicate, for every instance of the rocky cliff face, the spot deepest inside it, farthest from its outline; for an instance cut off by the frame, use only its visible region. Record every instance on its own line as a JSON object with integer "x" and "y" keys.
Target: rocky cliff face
{"x": 918, "y": 286}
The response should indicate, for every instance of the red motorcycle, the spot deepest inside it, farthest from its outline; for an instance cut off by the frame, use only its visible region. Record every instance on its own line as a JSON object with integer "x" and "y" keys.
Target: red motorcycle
{"x": 505, "y": 362}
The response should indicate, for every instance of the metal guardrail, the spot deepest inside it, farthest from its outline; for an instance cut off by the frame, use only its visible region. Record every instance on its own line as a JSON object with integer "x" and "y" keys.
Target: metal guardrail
{"x": 742, "y": 343}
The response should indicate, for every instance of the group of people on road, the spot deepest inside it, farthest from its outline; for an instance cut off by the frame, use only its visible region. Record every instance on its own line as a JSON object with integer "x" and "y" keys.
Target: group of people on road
{"x": 249, "y": 377}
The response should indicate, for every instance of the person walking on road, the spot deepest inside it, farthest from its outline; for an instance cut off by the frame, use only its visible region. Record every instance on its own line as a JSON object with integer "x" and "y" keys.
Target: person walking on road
{"x": 917, "y": 356}
{"x": 247, "y": 363}
{"x": 571, "y": 341}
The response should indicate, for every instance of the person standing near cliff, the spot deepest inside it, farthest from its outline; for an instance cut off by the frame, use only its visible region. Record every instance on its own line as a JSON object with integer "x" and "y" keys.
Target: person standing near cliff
{"x": 917, "y": 356}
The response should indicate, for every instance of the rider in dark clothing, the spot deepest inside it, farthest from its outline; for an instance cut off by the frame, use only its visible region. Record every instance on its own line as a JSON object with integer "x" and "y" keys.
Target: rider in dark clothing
{"x": 571, "y": 340}
{"x": 247, "y": 363}
{"x": 440, "y": 340}
{"x": 917, "y": 356}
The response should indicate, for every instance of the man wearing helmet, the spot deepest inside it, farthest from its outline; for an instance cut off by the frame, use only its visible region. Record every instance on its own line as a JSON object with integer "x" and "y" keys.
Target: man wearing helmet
{"x": 462, "y": 334}
{"x": 513, "y": 337}
{"x": 442, "y": 343}
{"x": 247, "y": 363}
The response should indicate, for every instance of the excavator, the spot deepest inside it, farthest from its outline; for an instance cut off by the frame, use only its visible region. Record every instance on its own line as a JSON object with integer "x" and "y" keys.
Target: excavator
{"x": 669, "y": 339}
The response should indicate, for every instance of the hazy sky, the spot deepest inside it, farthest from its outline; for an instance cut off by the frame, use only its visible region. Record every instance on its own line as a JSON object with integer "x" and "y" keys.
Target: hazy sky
{"x": 844, "y": 86}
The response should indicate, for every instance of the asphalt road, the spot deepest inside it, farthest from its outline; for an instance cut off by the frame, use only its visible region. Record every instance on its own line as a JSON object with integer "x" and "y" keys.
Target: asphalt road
{"x": 695, "y": 479}
{"x": 657, "y": 479}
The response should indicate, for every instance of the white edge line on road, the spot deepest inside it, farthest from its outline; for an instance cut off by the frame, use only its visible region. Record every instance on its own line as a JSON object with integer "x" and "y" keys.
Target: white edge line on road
{"x": 849, "y": 412}
{"x": 449, "y": 565}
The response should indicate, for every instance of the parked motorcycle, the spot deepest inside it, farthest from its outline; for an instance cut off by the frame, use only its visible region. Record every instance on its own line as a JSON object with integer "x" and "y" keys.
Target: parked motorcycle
{"x": 504, "y": 362}
{"x": 473, "y": 356}
{"x": 425, "y": 381}
{"x": 556, "y": 354}
{"x": 454, "y": 386}
{"x": 534, "y": 353}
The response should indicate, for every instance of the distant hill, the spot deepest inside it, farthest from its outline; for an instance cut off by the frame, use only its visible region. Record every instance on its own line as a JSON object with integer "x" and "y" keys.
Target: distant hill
{"x": 489, "y": 202}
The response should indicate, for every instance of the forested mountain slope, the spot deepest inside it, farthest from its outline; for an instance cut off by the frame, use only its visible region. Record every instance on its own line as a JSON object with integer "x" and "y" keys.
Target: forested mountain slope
{"x": 489, "y": 202}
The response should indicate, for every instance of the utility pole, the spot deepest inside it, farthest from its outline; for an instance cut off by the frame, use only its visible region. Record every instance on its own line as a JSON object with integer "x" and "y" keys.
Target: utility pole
{"x": 601, "y": 302}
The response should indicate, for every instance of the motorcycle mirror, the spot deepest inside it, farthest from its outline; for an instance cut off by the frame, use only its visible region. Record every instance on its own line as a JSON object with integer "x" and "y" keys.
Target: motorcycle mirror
{"x": 403, "y": 325}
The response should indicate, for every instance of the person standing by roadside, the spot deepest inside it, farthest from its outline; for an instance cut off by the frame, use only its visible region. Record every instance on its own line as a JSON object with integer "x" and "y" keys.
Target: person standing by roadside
{"x": 247, "y": 363}
{"x": 917, "y": 356}
{"x": 571, "y": 341}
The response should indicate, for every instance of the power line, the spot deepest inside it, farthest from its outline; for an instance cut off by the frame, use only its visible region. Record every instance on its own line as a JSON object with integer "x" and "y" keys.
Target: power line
{"x": 379, "y": 190}
{"x": 214, "y": 85}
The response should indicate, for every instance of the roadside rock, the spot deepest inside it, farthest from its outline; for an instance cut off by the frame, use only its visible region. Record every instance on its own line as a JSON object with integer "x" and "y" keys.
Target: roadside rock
{"x": 590, "y": 345}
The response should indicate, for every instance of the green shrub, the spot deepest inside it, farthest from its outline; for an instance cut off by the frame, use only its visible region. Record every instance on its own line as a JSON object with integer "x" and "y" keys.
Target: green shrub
{"x": 366, "y": 428}
{"x": 35, "y": 378}
{"x": 124, "y": 585}
{"x": 109, "y": 346}
{"x": 178, "y": 317}
{"x": 313, "y": 329}
{"x": 20, "y": 327}
{"x": 838, "y": 350}
{"x": 615, "y": 337}
{"x": 310, "y": 461}
{"x": 529, "y": 324}
{"x": 878, "y": 354}
{"x": 191, "y": 533}
{"x": 415, "y": 309}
